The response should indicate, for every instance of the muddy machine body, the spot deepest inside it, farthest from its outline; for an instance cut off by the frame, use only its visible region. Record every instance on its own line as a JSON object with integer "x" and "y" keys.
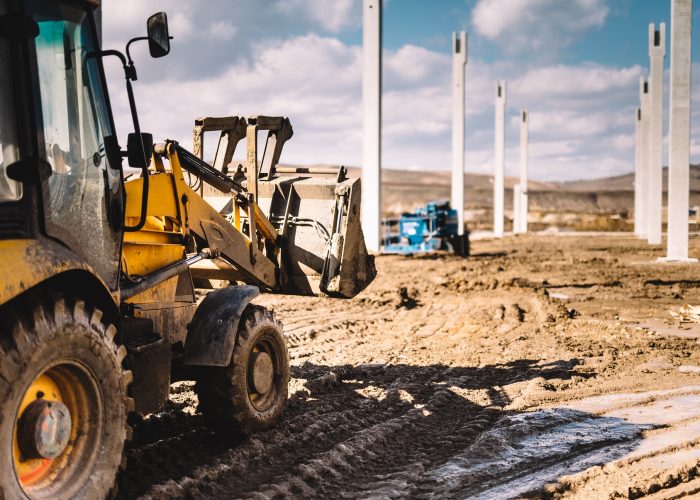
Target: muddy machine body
{"x": 116, "y": 282}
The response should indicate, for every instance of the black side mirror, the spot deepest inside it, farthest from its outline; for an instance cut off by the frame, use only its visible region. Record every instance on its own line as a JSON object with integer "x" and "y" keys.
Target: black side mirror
{"x": 158, "y": 37}
{"x": 137, "y": 156}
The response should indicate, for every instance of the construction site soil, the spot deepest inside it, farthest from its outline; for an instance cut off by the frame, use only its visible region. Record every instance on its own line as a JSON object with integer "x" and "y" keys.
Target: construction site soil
{"x": 542, "y": 366}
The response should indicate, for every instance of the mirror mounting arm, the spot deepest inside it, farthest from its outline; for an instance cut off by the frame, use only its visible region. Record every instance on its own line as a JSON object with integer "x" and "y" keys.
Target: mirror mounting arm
{"x": 128, "y": 45}
{"x": 128, "y": 70}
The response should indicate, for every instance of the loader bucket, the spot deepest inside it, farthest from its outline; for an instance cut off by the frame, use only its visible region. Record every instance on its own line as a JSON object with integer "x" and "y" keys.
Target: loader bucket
{"x": 320, "y": 249}
{"x": 317, "y": 212}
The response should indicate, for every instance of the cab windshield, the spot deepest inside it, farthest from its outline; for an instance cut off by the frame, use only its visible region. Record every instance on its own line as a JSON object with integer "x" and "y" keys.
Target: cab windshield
{"x": 9, "y": 190}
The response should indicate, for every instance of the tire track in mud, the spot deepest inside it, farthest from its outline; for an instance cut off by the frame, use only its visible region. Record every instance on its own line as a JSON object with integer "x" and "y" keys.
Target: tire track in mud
{"x": 443, "y": 447}
{"x": 323, "y": 453}
{"x": 306, "y": 429}
{"x": 396, "y": 445}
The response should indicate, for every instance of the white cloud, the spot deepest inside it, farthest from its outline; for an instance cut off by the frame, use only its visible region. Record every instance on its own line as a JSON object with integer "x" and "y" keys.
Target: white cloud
{"x": 181, "y": 24}
{"x": 567, "y": 123}
{"x": 571, "y": 81}
{"x": 623, "y": 142}
{"x": 222, "y": 30}
{"x": 414, "y": 65}
{"x": 289, "y": 78}
{"x": 537, "y": 25}
{"x": 581, "y": 115}
{"x": 330, "y": 15}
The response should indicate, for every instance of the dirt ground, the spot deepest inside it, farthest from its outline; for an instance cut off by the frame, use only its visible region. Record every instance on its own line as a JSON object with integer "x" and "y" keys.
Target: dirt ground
{"x": 542, "y": 366}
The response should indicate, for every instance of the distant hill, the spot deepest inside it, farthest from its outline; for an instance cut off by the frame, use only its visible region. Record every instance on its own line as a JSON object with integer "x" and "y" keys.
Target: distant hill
{"x": 624, "y": 182}
{"x": 443, "y": 178}
{"x": 405, "y": 190}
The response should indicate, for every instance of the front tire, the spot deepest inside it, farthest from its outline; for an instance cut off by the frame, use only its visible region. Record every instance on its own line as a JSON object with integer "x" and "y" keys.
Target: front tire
{"x": 248, "y": 395}
{"x": 60, "y": 367}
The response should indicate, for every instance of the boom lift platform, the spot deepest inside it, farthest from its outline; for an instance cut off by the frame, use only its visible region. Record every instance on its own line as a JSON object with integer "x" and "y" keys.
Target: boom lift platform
{"x": 428, "y": 229}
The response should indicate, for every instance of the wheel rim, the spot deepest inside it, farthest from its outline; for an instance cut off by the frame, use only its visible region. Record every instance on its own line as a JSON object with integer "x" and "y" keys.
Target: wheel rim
{"x": 264, "y": 373}
{"x": 52, "y": 452}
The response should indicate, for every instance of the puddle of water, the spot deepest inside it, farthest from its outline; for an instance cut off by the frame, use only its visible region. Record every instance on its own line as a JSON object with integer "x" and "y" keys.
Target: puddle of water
{"x": 527, "y": 449}
{"x": 524, "y": 451}
{"x": 532, "y": 482}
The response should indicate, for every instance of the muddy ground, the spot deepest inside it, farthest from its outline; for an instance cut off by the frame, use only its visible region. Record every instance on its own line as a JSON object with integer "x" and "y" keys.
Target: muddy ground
{"x": 542, "y": 366}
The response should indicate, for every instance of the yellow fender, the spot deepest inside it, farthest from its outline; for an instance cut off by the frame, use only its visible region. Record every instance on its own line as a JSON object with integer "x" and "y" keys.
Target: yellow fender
{"x": 26, "y": 263}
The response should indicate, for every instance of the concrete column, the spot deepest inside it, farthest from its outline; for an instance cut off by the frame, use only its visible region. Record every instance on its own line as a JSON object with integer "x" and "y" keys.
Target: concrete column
{"x": 643, "y": 177}
{"x": 524, "y": 159}
{"x": 499, "y": 159}
{"x": 657, "y": 51}
{"x": 637, "y": 172}
{"x": 679, "y": 130}
{"x": 459, "y": 61}
{"x": 372, "y": 101}
{"x": 517, "y": 209}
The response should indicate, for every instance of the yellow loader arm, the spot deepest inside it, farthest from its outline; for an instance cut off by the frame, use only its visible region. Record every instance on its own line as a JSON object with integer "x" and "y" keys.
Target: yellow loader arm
{"x": 291, "y": 231}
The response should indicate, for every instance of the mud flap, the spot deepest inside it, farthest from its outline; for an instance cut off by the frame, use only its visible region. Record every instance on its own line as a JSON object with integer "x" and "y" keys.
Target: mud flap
{"x": 212, "y": 333}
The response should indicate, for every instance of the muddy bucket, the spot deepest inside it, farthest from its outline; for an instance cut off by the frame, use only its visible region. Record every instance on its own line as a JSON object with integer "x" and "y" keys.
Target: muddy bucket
{"x": 317, "y": 212}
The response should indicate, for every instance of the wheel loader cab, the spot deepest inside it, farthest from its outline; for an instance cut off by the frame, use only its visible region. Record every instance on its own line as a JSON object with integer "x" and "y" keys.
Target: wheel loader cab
{"x": 61, "y": 178}
{"x": 60, "y": 182}
{"x": 63, "y": 375}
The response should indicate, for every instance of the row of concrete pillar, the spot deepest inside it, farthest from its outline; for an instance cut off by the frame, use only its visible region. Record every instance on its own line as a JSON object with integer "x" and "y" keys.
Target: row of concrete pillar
{"x": 648, "y": 186}
{"x": 649, "y": 136}
{"x": 520, "y": 204}
{"x": 371, "y": 168}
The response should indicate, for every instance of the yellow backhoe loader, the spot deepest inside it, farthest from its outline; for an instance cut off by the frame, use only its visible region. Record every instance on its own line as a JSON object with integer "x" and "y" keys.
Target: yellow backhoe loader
{"x": 112, "y": 274}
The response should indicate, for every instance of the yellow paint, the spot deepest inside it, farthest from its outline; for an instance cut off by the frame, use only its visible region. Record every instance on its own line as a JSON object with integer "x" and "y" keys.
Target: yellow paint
{"x": 158, "y": 163}
{"x": 142, "y": 259}
{"x": 26, "y": 263}
{"x": 162, "y": 293}
{"x": 263, "y": 224}
{"x": 154, "y": 246}
{"x": 162, "y": 200}
{"x": 32, "y": 470}
{"x": 153, "y": 237}
{"x": 174, "y": 209}
{"x": 236, "y": 216}
{"x": 180, "y": 187}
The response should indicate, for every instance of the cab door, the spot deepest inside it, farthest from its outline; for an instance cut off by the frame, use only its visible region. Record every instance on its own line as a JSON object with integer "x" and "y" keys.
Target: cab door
{"x": 74, "y": 118}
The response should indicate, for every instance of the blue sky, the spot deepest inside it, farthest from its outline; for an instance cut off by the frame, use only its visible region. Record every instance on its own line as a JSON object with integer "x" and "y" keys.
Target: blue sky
{"x": 617, "y": 41}
{"x": 575, "y": 64}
